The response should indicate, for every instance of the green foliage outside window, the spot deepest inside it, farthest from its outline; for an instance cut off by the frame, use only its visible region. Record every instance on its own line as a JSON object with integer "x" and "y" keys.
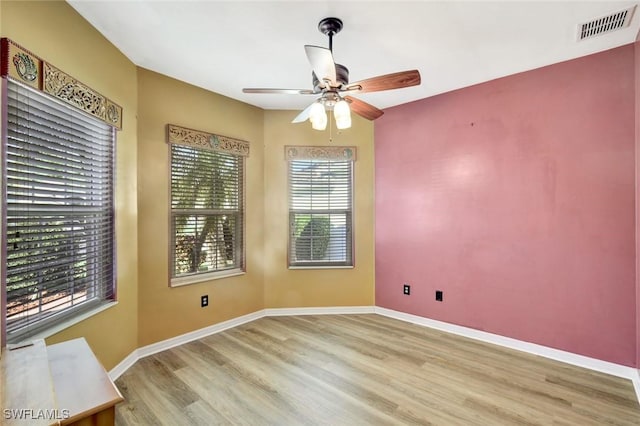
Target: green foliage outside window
{"x": 312, "y": 240}
{"x": 206, "y": 197}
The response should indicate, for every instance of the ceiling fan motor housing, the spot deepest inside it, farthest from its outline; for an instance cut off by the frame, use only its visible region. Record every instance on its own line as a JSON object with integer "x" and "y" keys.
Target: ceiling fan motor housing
{"x": 342, "y": 78}
{"x": 335, "y": 93}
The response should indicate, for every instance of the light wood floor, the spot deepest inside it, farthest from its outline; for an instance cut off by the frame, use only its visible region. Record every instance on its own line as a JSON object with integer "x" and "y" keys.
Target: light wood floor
{"x": 363, "y": 370}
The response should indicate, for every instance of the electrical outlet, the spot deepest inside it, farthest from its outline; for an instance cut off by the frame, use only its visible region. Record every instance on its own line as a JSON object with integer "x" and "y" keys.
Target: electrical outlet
{"x": 439, "y": 295}
{"x": 204, "y": 301}
{"x": 406, "y": 289}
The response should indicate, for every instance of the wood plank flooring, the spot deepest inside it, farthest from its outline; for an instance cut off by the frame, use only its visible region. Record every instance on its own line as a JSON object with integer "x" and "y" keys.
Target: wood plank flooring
{"x": 363, "y": 370}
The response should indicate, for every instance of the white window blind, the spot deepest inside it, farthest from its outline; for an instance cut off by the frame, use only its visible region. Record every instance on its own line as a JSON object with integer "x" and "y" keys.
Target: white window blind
{"x": 320, "y": 212}
{"x": 59, "y": 227}
{"x": 206, "y": 211}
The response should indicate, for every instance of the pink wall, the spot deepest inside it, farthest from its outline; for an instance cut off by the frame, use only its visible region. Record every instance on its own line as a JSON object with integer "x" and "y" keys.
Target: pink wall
{"x": 637, "y": 145}
{"x": 516, "y": 198}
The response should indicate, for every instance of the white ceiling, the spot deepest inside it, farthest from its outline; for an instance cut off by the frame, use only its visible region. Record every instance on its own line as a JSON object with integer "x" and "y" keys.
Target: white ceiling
{"x": 224, "y": 46}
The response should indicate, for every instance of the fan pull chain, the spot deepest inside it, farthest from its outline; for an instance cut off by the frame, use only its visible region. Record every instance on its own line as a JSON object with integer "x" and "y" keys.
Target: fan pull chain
{"x": 330, "y": 129}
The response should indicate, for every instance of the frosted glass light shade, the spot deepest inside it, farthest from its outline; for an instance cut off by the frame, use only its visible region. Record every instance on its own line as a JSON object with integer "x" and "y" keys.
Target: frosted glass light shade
{"x": 318, "y": 117}
{"x": 342, "y": 113}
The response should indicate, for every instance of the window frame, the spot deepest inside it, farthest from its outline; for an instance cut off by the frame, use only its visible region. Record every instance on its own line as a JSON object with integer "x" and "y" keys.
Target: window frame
{"x": 53, "y": 322}
{"x": 324, "y": 154}
{"x": 240, "y": 249}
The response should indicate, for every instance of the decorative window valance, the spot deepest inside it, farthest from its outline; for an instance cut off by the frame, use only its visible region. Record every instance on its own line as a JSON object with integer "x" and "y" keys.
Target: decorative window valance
{"x": 335, "y": 153}
{"x": 209, "y": 141}
{"x": 21, "y": 65}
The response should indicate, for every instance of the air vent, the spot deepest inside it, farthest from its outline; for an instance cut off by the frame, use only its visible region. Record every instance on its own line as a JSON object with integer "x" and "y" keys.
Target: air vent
{"x": 606, "y": 24}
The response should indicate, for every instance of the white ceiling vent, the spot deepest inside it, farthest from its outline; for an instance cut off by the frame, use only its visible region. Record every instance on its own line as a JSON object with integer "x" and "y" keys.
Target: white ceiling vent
{"x": 606, "y": 24}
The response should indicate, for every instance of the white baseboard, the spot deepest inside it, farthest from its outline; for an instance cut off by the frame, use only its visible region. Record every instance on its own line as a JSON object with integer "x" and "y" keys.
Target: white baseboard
{"x": 636, "y": 384}
{"x": 556, "y": 354}
{"x": 197, "y": 334}
{"x": 124, "y": 365}
{"x": 334, "y": 310}
{"x": 519, "y": 345}
{"x": 163, "y": 345}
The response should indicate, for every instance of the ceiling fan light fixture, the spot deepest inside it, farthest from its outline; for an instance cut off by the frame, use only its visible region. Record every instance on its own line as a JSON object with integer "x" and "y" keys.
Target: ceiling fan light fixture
{"x": 342, "y": 114}
{"x": 318, "y": 116}
{"x": 331, "y": 82}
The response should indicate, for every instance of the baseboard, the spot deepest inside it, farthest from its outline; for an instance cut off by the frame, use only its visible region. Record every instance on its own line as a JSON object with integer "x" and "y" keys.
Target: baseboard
{"x": 163, "y": 345}
{"x": 124, "y": 365}
{"x": 334, "y": 310}
{"x": 180, "y": 340}
{"x": 197, "y": 334}
{"x": 556, "y": 354}
{"x": 532, "y": 348}
{"x": 636, "y": 384}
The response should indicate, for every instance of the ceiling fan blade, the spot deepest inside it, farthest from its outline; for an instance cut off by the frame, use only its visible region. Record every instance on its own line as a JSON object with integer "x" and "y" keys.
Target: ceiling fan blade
{"x": 364, "y": 109}
{"x": 304, "y": 115}
{"x": 279, "y": 91}
{"x": 321, "y": 60}
{"x": 387, "y": 82}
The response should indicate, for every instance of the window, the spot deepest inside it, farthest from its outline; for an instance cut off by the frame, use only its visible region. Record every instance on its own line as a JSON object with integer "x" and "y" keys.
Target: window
{"x": 206, "y": 213}
{"x": 320, "y": 212}
{"x": 58, "y": 198}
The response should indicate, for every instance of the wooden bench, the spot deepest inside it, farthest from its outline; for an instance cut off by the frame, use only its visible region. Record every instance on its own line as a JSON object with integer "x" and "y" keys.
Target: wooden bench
{"x": 58, "y": 384}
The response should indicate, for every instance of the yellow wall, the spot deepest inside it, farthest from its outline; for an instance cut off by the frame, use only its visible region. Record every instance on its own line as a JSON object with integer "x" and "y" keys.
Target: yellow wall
{"x": 148, "y": 310}
{"x": 55, "y": 32}
{"x": 167, "y": 312}
{"x": 316, "y": 287}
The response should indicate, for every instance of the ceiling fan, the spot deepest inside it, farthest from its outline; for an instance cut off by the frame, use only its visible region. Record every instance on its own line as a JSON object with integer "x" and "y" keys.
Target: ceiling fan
{"x": 331, "y": 83}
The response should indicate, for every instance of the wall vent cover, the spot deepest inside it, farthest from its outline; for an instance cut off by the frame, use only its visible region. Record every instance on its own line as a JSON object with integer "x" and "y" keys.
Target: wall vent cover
{"x": 606, "y": 24}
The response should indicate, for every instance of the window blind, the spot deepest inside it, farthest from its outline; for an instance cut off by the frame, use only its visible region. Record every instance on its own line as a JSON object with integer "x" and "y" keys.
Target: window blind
{"x": 320, "y": 213}
{"x": 59, "y": 225}
{"x": 206, "y": 211}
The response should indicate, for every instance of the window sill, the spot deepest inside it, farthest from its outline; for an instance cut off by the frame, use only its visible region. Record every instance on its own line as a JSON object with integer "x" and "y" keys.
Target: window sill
{"x": 321, "y": 267}
{"x": 198, "y": 278}
{"x": 57, "y": 328}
